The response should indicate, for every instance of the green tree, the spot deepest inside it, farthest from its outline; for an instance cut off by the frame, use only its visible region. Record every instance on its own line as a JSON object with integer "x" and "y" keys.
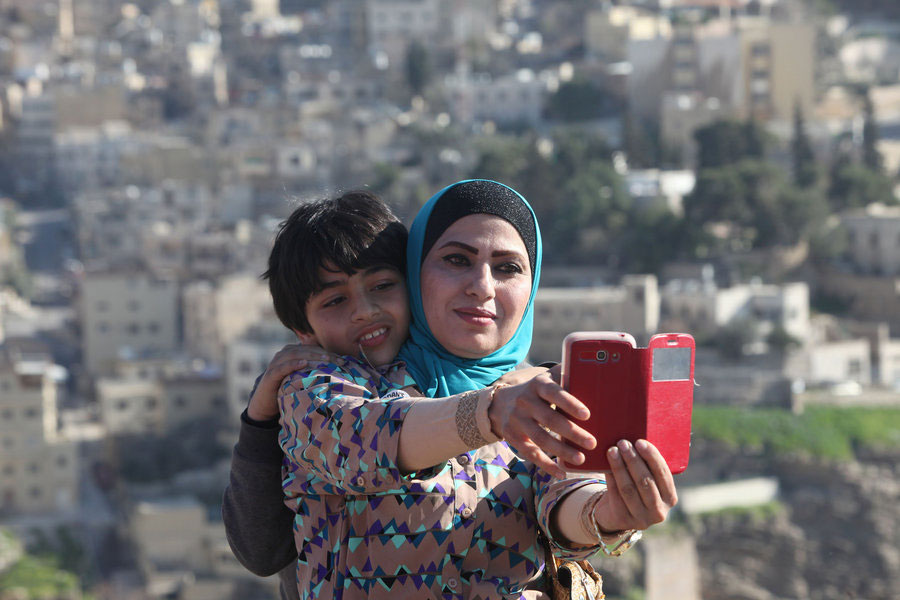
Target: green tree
{"x": 726, "y": 142}
{"x": 806, "y": 172}
{"x": 418, "y": 67}
{"x": 855, "y": 185}
{"x": 871, "y": 157}
{"x": 579, "y": 100}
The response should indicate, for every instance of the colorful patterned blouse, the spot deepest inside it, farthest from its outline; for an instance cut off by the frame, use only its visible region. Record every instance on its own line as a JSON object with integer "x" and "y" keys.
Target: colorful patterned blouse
{"x": 462, "y": 529}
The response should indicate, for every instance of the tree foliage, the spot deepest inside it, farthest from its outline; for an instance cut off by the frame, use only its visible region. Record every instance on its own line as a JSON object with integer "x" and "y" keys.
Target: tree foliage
{"x": 580, "y": 100}
{"x": 726, "y": 142}
{"x": 806, "y": 170}
{"x": 418, "y": 67}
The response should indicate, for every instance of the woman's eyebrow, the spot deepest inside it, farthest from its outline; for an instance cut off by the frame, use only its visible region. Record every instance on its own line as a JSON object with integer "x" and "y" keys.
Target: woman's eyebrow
{"x": 474, "y": 250}
{"x": 465, "y": 247}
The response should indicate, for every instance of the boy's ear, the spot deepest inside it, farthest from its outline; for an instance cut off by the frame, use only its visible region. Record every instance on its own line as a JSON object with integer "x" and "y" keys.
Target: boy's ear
{"x": 307, "y": 339}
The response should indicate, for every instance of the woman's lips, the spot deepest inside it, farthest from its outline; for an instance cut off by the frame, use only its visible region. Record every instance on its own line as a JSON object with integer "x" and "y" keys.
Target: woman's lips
{"x": 475, "y": 316}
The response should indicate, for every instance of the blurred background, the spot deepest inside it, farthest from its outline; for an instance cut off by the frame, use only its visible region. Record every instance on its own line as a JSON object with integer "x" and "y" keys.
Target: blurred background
{"x": 727, "y": 168}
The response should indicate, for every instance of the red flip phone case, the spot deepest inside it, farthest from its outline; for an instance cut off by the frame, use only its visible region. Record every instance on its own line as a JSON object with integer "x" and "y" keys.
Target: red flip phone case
{"x": 633, "y": 393}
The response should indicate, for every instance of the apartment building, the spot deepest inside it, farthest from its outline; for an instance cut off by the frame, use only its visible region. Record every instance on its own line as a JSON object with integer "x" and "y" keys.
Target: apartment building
{"x": 703, "y": 307}
{"x": 216, "y": 314}
{"x": 632, "y": 306}
{"x": 126, "y": 312}
{"x": 248, "y": 356}
{"x": 874, "y": 237}
{"x": 38, "y": 468}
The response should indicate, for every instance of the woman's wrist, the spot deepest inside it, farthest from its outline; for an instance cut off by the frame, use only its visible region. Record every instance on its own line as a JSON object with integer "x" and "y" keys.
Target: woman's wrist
{"x": 490, "y": 416}
{"x": 473, "y": 424}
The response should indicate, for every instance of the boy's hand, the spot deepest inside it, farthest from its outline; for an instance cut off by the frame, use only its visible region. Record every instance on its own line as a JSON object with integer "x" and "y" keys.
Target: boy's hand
{"x": 293, "y": 357}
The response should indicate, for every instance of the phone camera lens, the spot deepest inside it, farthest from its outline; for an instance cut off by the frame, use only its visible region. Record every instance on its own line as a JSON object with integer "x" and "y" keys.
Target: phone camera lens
{"x": 601, "y": 355}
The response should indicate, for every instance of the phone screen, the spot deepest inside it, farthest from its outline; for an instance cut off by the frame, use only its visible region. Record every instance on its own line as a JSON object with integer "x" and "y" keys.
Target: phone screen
{"x": 671, "y": 364}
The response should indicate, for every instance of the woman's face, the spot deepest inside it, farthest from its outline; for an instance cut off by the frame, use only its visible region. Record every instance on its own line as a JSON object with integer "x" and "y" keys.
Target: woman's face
{"x": 476, "y": 282}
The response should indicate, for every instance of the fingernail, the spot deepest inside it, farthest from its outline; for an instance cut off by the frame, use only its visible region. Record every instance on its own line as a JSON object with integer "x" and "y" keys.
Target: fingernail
{"x": 577, "y": 458}
{"x": 613, "y": 453}
{"x": 641, "y": 445}
{"x": 590, "y": 443}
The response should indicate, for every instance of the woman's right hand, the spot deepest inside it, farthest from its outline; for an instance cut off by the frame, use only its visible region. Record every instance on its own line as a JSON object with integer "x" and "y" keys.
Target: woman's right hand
{"x": 293, "y": 357}
{"x": 524, "y": 416}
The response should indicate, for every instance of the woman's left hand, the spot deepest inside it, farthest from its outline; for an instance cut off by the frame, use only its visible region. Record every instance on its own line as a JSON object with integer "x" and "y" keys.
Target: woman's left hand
{"x": 640, "y": 488}
{"x": 524, "y": 416}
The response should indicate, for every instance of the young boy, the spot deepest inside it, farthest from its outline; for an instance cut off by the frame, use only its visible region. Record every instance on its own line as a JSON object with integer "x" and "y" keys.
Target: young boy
{"x": 333, "y": 262}
{"x": 336, "y": 275}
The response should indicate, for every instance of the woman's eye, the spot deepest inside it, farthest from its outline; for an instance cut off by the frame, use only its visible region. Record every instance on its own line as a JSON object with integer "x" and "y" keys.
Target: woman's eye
{"x": 384, "y": 285}
{"x": 510, "y": 269}
{"x": 334, "y": 301}
{"x": 457, "y": 260}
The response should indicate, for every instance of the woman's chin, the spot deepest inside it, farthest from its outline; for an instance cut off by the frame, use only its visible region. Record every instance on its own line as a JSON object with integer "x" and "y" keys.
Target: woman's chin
{"x": 474, "y": 347}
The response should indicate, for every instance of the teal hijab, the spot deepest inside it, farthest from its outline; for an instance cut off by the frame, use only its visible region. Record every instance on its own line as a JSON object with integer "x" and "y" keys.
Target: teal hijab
{"x": 437, "y": 372}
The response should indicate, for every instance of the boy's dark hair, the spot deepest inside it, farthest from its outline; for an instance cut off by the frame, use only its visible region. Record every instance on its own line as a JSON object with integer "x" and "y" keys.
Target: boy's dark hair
{"x": 352, "y": 232}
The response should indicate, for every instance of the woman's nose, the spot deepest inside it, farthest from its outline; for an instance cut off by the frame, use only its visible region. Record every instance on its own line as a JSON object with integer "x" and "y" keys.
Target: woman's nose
{"x": 481, "y": 284}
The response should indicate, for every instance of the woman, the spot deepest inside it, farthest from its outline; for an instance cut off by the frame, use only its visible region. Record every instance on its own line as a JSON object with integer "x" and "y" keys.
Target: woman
{"x": 468, "y": 517}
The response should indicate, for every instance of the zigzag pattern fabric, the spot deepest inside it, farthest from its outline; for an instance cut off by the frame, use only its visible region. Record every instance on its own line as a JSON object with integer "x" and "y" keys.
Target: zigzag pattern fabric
{"x": 463, "y": 529}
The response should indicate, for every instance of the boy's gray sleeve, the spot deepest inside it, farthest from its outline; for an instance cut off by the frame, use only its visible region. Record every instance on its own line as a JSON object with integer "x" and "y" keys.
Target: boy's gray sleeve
{"x": 258, "y": 525}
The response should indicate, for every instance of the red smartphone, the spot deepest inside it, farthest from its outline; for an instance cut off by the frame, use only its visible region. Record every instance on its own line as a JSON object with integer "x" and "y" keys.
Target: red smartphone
{"x": 633, "y": 393}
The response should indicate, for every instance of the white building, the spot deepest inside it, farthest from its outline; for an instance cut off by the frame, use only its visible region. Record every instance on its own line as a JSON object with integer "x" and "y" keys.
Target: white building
{"x": 651, "y": 187}
{"x": 393, "y": 24}
{"x": 632, "y": 307}
{"x": 38, "y": 468}
{"x": 514, "y": 98}
{"x": 216, "y": 314}
{"x": 704, "y": 307}
{"x": 874, "y": 236}
{"x": 121, "y": 311}
{"x": 248, "y": 357}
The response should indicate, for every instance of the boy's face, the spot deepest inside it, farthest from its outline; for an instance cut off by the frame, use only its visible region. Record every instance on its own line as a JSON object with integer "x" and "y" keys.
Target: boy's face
{"x": 367, "y": 310}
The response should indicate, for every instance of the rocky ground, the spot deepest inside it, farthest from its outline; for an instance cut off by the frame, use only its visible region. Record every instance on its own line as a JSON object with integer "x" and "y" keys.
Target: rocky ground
{"x": 836, "y": 535}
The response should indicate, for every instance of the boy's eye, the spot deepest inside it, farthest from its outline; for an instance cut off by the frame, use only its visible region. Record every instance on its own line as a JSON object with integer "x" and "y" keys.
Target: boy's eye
{"x": 457, "y": 260}
{"x": 333, "y": 301}
{"x": 384, "y": 285}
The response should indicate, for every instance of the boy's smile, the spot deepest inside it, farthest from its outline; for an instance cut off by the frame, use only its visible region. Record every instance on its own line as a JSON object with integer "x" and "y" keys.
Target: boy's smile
{"x": 363, "y": 313}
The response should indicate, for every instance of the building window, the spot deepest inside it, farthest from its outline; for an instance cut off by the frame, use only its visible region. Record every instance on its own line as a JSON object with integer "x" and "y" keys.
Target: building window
{"x": 180, "y": 401}
{"x": 244, "y": 367}
{"x": 33, "y": 468}
{"x": 35, "y": 492}
{"x": 102, "y": 306}
{"x": 153, "y": 327}
{"x": 133, "y": 328}
{"x": 121, "y": 405}
{"x": 218, "y": 401}
{"x": 31, "y": 413}
{"x": 7, "y": 414}
{"x": 61, "y": 461}
{"x": 102, "y": 326}
{"x": 150, "y": 403}
{"x": 8, "y": 470}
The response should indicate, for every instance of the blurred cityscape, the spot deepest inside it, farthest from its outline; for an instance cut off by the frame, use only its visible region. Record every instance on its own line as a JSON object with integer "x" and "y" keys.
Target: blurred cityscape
{"x": 727, "y": 168}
